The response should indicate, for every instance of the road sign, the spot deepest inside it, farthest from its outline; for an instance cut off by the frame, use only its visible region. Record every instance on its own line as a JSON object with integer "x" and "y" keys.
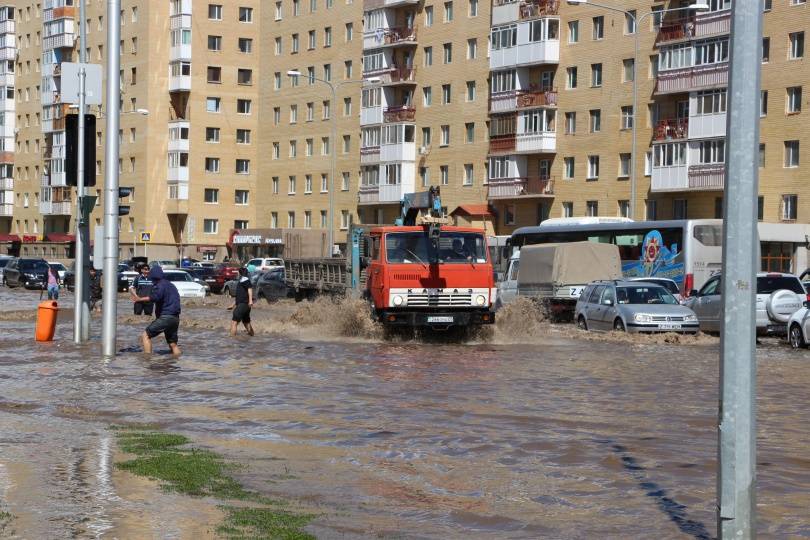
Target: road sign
{"x": 70, "y": 83}
{"x": 146, "y": 237}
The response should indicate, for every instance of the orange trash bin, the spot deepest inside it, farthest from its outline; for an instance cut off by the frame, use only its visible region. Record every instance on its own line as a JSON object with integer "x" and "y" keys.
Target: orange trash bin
{"x": 46, "y": 320}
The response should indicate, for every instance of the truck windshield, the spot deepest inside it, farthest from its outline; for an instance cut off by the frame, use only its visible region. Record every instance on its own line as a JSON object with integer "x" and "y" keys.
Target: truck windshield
{"x": 454, "y": 247}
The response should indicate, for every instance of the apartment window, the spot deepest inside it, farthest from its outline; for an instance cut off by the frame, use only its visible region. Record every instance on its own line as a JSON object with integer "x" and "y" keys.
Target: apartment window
{"x": 212, "y": 165}
{"x": 711, "y": 102}
{"x": 327, "y": 36}
{"x": 327, "y": 72}
{"x": 291, "y": 189}
{"x": 624, "y": 208}
{"x": 763, "y": 103}
{"x": 326, "y": 109}
{"x": 307, "y": 183}
{"x": 624, "y": 165}
{"x": 310, "y": 111}
{"x": 310, "y": 75}
{"x": 244, "y": 77}
{"x": 573, "y": 32}
{"x": 679, "y": 209}
{"x": 312, "y": 40}
{"x": 279, "y": 47}
{"x": 712, "y": 152}
{"x": 344, "y": 182}
{"x": 428, "y": 15}
{"x": 469, "y": 130}
{"x": 214, "y": 43}
{"x": 349, "y": 33}
{"x": 309, "y": 144}
{"x": 473, "y": 11}
{"x": 767, "y": 5}
{"x": 794, "y": 100}
{"x": 766, "y": 50}
{"x": 648, "y": 163}
{"x": 567, "y": 209}
{"x": 428, "y": 56}
{"x": 275, "y": 182}
{"x": 760, "y": 208}
{"x": 445, "y": 135}
{"x": 291, "y": 219}
{"x": 444, "y": 172}
{"x": 324, "y": 183}
{"x": 294, "y": 44}
{"x": 628, "y": 69}
{"x": 211, "y": 196}
{"x": 242, "y": 136}
{"x": 596, "y": 120}
{"x": 245, "y": 14}
{"x": 325, "y": 146}
{"x": 470, "y": 90}
{"x": 761, "y": 155}
{"x": 596, "y": 75}
{"x": 293, "y": 114}
{"x": 243, "y": 106}
{"x": 347, "y": 106}
{"x": 448, "y": 53}
{"x": 630, "y": 22}
{"x": 426, "y": 136}
{"x": 468, "y": 178}
{"x": 273, "y": 220}
{"x": 296, "y": 8}
{"x": 276, "y": 80}
{"x": 448, "y": 11}
{"x": 214, "y": 74}
{"x": 570, "y": 123}
{"x": 791, "y": 153}
{"x": 211, "y": 226}
{"x": 571, "y": 77}
{"x": 323, "y": 219}
{"x": 593, "y": 167}
{"x": 789, "y": 207}
{"x": 796, "y": 49}
{"x": 427, "y": 96}
{"x": 276, "y": 150}
{"x": 598, "y": 28}
{"x": 424, "y": 175}
{"x": 627, "y": 117}
{"x": 293, "y": 149}
{"x": 214, "y": 12}
{"x": 278, "y": 11}
{"x": 313, "y": 6}
{"x": 569, "y": 168}
{"x": 592, "y": 208}
{"x": 472, "y": 49}
{"x": 347, "y": 143}
{"x": 212, "y": 134}
{"x": 246, "y": 45}
{"x": 446, "y": 94}
{"x": 134, "y": 15}
{"x": 347, "y": 69}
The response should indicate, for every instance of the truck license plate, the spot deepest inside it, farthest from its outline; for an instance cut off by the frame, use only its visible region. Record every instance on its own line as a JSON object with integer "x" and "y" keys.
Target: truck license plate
{"x": 439, "y": 319}
{"x": 575, "y": 292}
{"x": 669, "y": 326}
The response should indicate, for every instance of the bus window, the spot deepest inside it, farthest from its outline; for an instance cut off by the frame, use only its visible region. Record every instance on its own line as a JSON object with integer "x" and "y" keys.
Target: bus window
{"x": 708, "y": 235}
{"x": 600, "y": 238}
{"x": 629, "y": 245}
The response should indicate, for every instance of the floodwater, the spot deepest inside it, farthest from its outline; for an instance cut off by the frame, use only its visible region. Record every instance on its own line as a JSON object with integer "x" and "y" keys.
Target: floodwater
{"x": 543, "y": 434}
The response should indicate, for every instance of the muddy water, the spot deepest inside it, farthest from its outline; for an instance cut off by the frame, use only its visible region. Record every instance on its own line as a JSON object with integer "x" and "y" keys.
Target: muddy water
{"x": 534, "y": 434}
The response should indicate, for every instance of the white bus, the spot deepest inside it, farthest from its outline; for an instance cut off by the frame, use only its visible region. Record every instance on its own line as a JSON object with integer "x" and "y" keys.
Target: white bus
{"x": 687, "y": 251}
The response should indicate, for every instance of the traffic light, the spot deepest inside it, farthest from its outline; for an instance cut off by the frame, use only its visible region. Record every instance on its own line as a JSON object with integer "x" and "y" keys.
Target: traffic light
{"x": 72, "y": 149}
{"x": 123, "y": 209}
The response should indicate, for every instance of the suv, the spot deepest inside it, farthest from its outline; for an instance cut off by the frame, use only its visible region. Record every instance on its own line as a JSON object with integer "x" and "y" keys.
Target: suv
{"x": 778, "y": 297}
{"x": 265, "y": 264}
{"x": 30, "y": 273}
{"x": 632, "y": 306}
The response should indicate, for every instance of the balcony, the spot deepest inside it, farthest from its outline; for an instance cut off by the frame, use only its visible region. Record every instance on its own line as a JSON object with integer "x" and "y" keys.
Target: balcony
{"x": 369, "y": 155}
{"x": 371, "y": 115}
{"x": 6, "y": 184}
{"x": 393, "y": 193}
{"x": 540, "y": 142}
{"x": 176, "y": 142}
{"x": 54, "y": 180}
{"x": 386, "y": 37}
{"x": 396, "y": 3}
{"x": 178, "y": 174}
{"x": 7, "y": 27}
{"x": 396, "y": 75}
{"x": 514, "y": 188}
{"x": 519, "y": 99}
{"x": 509, "y": 11}
{"x": 180, "y": 52}
{"x": 6, "y": 209}
{"x": 403, "y": 151}
{"x": 399, "y": 114}
{"x": 702, "y": 126}
{"x": 688, "y": 178}
{"x": 179, "y": 83}
{"x": 8, "y": 53}
{"x": 696, "y": 26}
{"x": 671, "y": 129}
{"x": 368, "y": 195}
{"x": 55, "y": 201}
{"x": 706, "y": 177}
{"x": 533, "y": 46}
{"x": 6, "y": 156}
{"x": 500, "y": 144}
{"x": 686, "y": 79}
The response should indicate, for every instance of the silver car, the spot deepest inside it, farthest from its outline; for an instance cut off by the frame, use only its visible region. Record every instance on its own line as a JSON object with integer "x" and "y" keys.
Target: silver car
{"x": 632, "y": 306}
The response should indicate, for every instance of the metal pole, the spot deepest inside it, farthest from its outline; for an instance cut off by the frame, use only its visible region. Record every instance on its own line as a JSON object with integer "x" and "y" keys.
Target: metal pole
{"x": 110, "y": 293}
{"x": 736, "y": 479}
{"x": 81, "y": 308}
{"x": 333, "y": 150}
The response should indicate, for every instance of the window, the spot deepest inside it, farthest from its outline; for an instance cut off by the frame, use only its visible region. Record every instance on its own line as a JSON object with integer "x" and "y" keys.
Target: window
{"x": 275, "y": 182}
{"x": 446, "y": 94}
{"x": 428, "y": 15}
{"x": 276, "y": 150}
{"x": 712, "y": 152}
{"x": 276, "y": 115}
{"x": 596, "y": 120}
{"x": 592, "y": 208}
{"x": 294, "y": 44}
{"x": 310, "y": 75}
{"x": 214, "y": 43}
{"x": 763, "y": 103}
{"x": 245, "y": 14}
{"x": 573, "y": 32}
{"x": 212, "y": 134}
{"x": 312, "y": 40}
{"x": 246, "y": 45}
{"x": 470, "y": 90}
{"x": 308, "y": 146}
{"x": 242, "y": 136}
{"x": 794, "y": 100}
{"x": 791, "y": 153}
{"x": 445, "y": 174}
{"x": 628, "y": 69}
{"x": 326, "y": 109}
{"x": 324, "y": 183}
{"x": 291, "y": 219}
{"x": 679, "y": 209}
{"x": 327, "y": 36}
{"x": 293, "y": 114}
{"x": 648, "y": 163}
{"x": 796, "y": 49}
{"x": 424, "y": 174}
{"x": 767, "y": 5}
{"x": 428, "y": 56}
{"x": 593, "y": 167}
{"x": 596, "y": 75}
{"x": 296, "y": 8}
{"x": 214, "y": 12}
{"x": 448, "y": 11}
{"x": 347, "y": 106}
{"x": 426, "y": 136}
{"x": 567, "y": 209}
{"x": 627, "y": 117}
{"x": 598, "y": 28}
{"x": 571, "y": 77}
{"x": 345, "y": 220}
{"x": 349, "y": 33}
{"x": 766, "y": 50}
{"x": 347, "y": 143}
{"x": 630, "y": 22}
{"x": 624, "y": 209}
{"x": 760, "y": 208}
{"x": 293, "y": 149}
{"x": 347, "y": 69}
{"x": 214, "y": 74}
{"x": 570, "y": 123}
{"x": 242, "y": 166}
{"x": 307, "y": 183}
{"x": 761, "y": 155}
{"x": 568, "y": 168}
{"x": 308, "y": 218}
{"x": 448, "y": 53}
{"x": 323, "y": 219}
{"x": 211, "y": 196}
{"x": 278, "y": 11}
{"x": 274, "y": 220}
{"x": 327, "y": 72}
{"x": 427, "y": 96}
{"x": 652, "y": 210}
{"x": 212, "y": 165}
{"x": 472, "y": 49}
{"x": 279, "y": 48}
{"x": 624, "y": 165}
{"x": 276, "y": 80}
{"x": 244, "y": 77}
{"x": 711, "y": 102}
{"x": 243, "y": 106}
{"x": 469, "y": 130}
{"x": 325, "y": 146}
{"x": 445, "y": 135}
{"x": 291, "y": 190}
{"x": 210, "y": 226}
{"x": 473, "y": 11}
{"x": 467, "y": 180}
{"x": 344, "y": 182}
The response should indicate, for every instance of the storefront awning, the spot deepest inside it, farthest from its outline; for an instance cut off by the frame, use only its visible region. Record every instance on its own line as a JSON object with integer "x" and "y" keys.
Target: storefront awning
{"x": 206, "y": 249}
{"x": 9, "y": 238}
{"x": 257, "y": 237}
{"x": 59, "y": 237}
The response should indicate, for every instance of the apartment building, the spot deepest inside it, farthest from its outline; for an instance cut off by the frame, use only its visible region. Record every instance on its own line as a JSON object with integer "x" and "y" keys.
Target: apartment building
{"x": 8, "y": 49}
{"x": 192, "y": 182}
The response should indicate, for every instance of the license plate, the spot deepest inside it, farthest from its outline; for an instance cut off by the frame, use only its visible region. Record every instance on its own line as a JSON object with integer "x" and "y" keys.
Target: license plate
{"x": 575, "y": 292}
{"x": 669, "y": 326}
{"x": 439, "y": 319}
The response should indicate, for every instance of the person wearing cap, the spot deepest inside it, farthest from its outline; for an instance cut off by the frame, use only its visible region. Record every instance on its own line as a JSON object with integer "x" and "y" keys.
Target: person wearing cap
{"x": 166, "y": 299}
{"x": 142, "y": 287}
{"x": 243, "y": 301}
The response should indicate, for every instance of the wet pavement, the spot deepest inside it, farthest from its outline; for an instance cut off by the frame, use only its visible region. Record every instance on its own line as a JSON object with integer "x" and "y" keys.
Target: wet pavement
{"x": 551, "y": 437}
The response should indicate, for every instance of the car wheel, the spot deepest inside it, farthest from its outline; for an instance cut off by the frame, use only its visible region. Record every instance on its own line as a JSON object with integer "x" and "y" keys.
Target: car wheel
{"x": 796, "y": 338}
{"x": 618, "y": 325}
{"x": 582, "y": 324}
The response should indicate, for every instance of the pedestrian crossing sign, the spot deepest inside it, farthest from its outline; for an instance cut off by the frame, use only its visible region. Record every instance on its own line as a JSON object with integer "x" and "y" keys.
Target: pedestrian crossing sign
{"x": 146, "y": 237}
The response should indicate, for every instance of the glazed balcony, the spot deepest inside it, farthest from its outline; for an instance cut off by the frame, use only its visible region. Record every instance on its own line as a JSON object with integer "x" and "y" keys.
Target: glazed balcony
{"x": 7, "y": 26}
{"x": 699, "y": 25}
{"x": 6, "y": 209}
{"x": 371, "y": 115}
{"x": 530, "y": 46}
{"x": 519, "y": 188}
{"x": 685, "y": 178}
{"x": 399, "y": 114}
{"x": 368, "y": 195}
{"x": 401, "y": 151}
{"x": 673, "y": 81}
{"x": 519, "y": 99}
{"x": 671, "y": 129}
{"x": 179, "y": 83}
{"x": 369, "y": 155}
{"x": 539, "y": 142}
{"x": 500, "y": 144}
{"x": 54, "y": 180}
{"x": 389, "y": 37}
{"x": 706, "y": 177}
{"x": 509, "y": 11}
{"x": 6, "y": 184}
{"x": 178, "y": 174}
{"x": 176, "y": 141}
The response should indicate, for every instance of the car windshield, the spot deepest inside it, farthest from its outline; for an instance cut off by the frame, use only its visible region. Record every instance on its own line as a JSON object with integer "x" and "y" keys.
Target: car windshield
{"x": 58, "y": 266}
{"x": 254, "y": 262}
{"x": 671, "y": 286}
{"x": 203, "y": 272}
{"x": 39, "y": 267}
{"x": 769, "y": 284}
{"x": 177, "y": 276}
{"x": 4, "y": 262}
{"x": 454, "y": 247}
{"x": 644, "y": 294}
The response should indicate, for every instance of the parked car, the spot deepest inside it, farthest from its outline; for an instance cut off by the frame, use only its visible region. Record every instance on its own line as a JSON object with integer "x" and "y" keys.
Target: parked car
{"x": 266, "y": 264}
{"x": 271, "y": 286}
{"x": 203, "y": 264}
{"x": 208, "y": 276}
{"x": 4, "y": 260}
{"x": 228, "y": 271}
{"x": 668, "y": 284}
{"x": 632, "y": 306}
{"x": 164, "y": 264}
{"x": 798, "y": 327}
{"x": 30, "y": 273}
{"x": 778, "y": 295}
{"x": 70, "y": 277}
{"x": 185, "y": 284}
{"x": 125, "y": 279}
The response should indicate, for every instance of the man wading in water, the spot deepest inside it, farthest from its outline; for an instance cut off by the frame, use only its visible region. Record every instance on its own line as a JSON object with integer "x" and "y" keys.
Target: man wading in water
{"x": 242, "y": 303}
{"x": 167, "y": 310}
{"x": 142, "y": 287}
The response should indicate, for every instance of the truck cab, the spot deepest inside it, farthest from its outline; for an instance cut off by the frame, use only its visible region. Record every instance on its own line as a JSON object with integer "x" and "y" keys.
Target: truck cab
{"x": 419, "y": 278}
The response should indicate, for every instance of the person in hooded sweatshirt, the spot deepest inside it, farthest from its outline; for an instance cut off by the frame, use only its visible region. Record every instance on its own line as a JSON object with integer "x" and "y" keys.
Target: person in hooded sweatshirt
{"x": 242, "y": 303}
{"x": 166, "y": 300}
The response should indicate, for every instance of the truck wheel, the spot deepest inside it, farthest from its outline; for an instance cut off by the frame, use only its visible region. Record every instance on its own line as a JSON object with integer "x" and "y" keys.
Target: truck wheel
{"x": 299, "y": 296}
{"x": 618, "y": 325}
{"x": 581, "y": 323}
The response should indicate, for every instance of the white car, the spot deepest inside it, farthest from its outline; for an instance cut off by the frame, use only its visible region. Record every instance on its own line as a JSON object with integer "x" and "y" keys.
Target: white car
{"x": 60, "y": 270}
{"x": 799, "y": 328}
{"x": 266, "y": 264}
{"x": 668, "y": 284}
{"x": 185, "y": 284}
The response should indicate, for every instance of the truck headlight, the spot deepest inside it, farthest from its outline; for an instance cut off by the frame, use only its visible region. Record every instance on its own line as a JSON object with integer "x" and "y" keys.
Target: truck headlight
{"x": 642, "y": 318}
{"x": 480, "y": 300}
{"x": 398, "y": 300}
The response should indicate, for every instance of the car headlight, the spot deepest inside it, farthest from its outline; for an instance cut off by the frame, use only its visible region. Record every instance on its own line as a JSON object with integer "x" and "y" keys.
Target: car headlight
{"x": 398, "y": 300}
{"x": 690, "y": 318}
{"x": 480, "y": 300}
{"x": 642, "y": 318}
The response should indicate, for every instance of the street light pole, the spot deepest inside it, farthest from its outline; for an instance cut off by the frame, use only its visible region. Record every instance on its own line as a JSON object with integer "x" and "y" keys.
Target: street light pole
{"x": 109, "y": 301}
{"x": 81, "y": 309}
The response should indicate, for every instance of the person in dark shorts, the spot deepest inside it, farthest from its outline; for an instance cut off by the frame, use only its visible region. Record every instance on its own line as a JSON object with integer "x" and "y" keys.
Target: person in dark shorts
{"x": 242, "y": 303}
{"x": 95, "y": 289}
{"x": 167, "y": 310}
{"x": 142, "y": 287}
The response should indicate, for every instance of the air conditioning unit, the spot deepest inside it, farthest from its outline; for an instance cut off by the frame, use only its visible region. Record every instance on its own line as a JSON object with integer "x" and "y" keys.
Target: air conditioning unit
{"x": 423, "y": 150}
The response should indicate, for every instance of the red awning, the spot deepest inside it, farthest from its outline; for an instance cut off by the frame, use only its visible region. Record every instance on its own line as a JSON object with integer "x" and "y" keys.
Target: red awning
{"x": 59, "y": 237}
{"x": 477, "y": 210}
{"x": 9, "y": 238}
